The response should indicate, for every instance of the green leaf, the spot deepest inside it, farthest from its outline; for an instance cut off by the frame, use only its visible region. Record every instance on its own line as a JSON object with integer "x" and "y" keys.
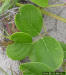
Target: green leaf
{"x": 41, "y": 3}
{"x": 21, "y": 37}
{"x": 27, "y": 72}
{"x": 29, "y": 19}
{"x": 18, "y": 51}
{"x": 35, "y": 67}
{"x": 64, "y": 48}
{"x": 48, "y": 51}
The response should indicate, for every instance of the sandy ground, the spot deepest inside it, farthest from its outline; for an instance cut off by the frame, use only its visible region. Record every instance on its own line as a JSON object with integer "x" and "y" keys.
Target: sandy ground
{"x": 55, "y": 28}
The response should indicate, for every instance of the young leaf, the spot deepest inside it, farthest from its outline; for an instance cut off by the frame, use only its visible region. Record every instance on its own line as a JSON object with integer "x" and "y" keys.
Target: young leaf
{"x": 29, "y": 20}
{"x": 35, "y": 67}
{"x": 18, "y": 51}
{"x": 21, "y": 37}
{"x": 41, "y": 3}
{"x": 64, "y": 48}
{"x": 49, "y": 52}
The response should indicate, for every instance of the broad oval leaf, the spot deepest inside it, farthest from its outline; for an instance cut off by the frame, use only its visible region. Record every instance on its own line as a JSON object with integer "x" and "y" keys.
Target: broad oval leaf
{"x": 35, "y": 67}
{"x": 21, "y": 37}
{"x": 29, "y": 20}
{"x": 48, "y": 51}
{"x": 18, "y": 51}
{"x": 41, "y": 3}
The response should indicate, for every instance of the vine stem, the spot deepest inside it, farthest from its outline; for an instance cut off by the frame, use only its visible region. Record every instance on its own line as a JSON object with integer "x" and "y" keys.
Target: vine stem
{"x": 19, "y": 4}
{"x": 55, "y": 5}
{"x": 45, "y": 29}
{"x": 53, "y": 15}
{"x": 49, "y": 13}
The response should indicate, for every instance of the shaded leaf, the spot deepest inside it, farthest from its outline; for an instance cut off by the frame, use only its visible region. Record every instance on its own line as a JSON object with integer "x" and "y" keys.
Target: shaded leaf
{"x": 21, "y": 37}
{"x": 29, "y": 20}
{"x": 18, "y": 51}
{"x": 41, "y": 3}
{"x": 48, "y": 51}
{"x": 35, "y": 67}
{"x": 27, "y": 72}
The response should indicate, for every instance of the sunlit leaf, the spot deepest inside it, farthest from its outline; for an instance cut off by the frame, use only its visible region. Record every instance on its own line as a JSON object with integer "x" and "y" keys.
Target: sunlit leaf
{"x": 35, "y": 67}
{"x": 29, "y": 20}
{"x": 48, "y": 51}
{"x": 18, "y": 51}
{"x": 21, "y": 37}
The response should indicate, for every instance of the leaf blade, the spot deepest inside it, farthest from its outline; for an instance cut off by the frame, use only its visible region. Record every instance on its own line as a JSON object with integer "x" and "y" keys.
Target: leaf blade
{"x": 48, "y": 51}
{"x": 35, "y": 67}
{"x": 18, "y": 51}
{"x": 29, "y": 21}
{"x": 21, "y": 37}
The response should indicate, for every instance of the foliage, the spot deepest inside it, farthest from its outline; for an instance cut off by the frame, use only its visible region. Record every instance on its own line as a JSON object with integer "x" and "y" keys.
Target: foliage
{"x": 46, "y": 54}
{"x": 21, "y": 37}
{"x": 31, "y": 24}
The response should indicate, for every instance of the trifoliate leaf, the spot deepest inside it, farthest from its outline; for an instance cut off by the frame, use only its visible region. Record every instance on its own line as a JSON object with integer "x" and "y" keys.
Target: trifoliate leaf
{"x": 29, "y": 20}
{"x": 41, "y": 3}
{"x": 18, "y": 51}
{"x": 35, "y": 67}
{"x": 21, "y": 37}
{"x": 48, "y": 51}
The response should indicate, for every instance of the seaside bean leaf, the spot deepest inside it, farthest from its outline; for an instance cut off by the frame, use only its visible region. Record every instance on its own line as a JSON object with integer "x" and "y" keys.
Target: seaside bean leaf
{"x": 35, "y": 67}
{"x": 29, "y": 20}
{"x": 48, "y": 51}
{"x": 18, "y": 51}
{"x": 21, "y": 37}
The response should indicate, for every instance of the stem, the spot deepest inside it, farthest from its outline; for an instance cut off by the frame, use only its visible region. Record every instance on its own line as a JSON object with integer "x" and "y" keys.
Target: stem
{"x": 19, "y": 4}
{"x": 45, "y": 29}
{"x": 4, "y": 43}
{"x": 55, "y": 5}
{"x": 53, "y": 15}
{"x": 48, "y": 13}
